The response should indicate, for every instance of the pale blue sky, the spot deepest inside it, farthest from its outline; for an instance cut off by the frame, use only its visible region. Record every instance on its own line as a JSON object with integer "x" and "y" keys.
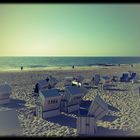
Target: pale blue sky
{"x": 70, "y": 29}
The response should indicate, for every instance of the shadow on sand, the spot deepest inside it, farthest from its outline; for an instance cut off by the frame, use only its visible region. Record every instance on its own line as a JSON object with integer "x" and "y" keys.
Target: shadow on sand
{"x": 74, "y": 113}
{"x": 101, "y": 131}
{"x": 69, "y": 121}
{"x": 64, "y": 120}
{"x": 109, "y": 118}
{"x": 114, "y": 89}
{"x": 112, "y": 108}
{"x": 15, "y": 103}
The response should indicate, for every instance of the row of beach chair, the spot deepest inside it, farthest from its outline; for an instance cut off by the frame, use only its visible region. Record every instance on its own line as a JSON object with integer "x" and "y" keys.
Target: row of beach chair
{"x": 51, "y": 102}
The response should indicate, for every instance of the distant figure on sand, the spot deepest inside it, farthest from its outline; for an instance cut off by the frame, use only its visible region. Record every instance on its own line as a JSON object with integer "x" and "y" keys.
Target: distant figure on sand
{"x": 21, "y": 67}
{"x": 36, "y": 90}
{"x": 73, "y": 66}
{"x": 47, "y": 79}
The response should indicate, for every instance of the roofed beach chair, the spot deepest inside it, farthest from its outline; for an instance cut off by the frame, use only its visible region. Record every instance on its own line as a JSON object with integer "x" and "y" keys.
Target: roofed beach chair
{"x": 98, "y": 108}
{"x": 72, "y": 97}
{"x": 74, "y": 80}
{"x": 9, "y": 123}
{"x": 68, "y": 80}
{"x": 125, "y": 77}
{"x": 89, "y": 113}
{"x": 5, "y": 92}
{"x": 52, "y": 80}
{"x": 79, "y": 78}
{"x": 132, "y": 77}
{"x": 115, "y": 78}
{"x": 97, "y": 79}
{"x": 138, "y": 78}
{"x": 88, "y": 85}
{"x": 48, "y": 103}
{"x": 94, "y": 83}
{"x": 106, "y": 78}
{"x": 42, "y": 85}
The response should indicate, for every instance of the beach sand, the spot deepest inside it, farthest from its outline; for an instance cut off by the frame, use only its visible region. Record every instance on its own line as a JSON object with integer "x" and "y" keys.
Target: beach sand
{"x": 124, "y": 102}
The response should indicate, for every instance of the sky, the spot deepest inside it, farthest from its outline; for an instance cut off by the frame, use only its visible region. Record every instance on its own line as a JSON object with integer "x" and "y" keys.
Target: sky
{"x": 69, "y": 29}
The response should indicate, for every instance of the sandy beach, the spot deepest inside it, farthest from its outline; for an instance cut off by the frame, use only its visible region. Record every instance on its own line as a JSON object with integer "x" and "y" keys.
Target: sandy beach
{"x": 123, "y": 117}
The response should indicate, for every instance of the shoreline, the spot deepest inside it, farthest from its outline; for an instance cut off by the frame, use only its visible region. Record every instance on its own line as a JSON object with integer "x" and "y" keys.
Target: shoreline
{"x": 59, "y": 68}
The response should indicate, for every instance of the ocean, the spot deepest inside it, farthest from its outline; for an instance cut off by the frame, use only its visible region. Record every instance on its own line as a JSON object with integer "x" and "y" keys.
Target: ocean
{"x": 14, "y": 63}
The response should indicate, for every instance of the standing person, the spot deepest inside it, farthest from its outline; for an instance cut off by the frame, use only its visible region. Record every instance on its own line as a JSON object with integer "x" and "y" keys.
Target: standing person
{"x": 21, "y": 68}
{"x": 131, "y": 65}
{"x": 73, "y": 66}
{"x": 36, "y": 90}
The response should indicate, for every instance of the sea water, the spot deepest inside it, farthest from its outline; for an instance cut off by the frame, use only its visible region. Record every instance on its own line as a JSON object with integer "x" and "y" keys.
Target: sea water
{"x": 14, "y": 63}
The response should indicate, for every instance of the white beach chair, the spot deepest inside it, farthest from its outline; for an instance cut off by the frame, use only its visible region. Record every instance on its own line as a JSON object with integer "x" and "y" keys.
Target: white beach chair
{"x": 5, "y": 92}
{"x": 98, "y": 108}
{"x": 72, "y": 97}
{"x": 68, "y": 80}
{"x": 79, "y": 78}
{"x": 97, "y": 79}
{"x": 86, "y": 121}
{"x": 48, "y": 103}
{"x": 42, "y": 85}
{"x": 9, "y": 123}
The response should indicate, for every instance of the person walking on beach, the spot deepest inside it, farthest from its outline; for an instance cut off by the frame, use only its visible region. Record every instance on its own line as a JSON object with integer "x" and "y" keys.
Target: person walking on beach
{"x": 131, "y": 65}
{"x": 21, "y": 68}
{"x": 73, "y": 66}
{"x": 36, "y": 90}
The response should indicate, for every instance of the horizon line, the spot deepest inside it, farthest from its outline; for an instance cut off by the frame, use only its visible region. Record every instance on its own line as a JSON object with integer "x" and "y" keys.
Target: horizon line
{"x": 64, "y": 56}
